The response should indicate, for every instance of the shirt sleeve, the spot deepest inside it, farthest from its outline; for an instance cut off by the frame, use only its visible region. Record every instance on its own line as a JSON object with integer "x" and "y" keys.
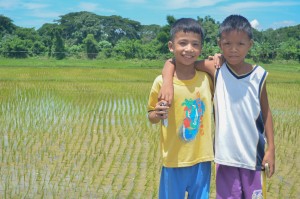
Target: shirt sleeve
{"x": 153, "y": 96}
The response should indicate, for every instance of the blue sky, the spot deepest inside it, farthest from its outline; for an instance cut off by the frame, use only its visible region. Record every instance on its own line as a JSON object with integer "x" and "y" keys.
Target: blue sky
{"x": 263, "y": 14}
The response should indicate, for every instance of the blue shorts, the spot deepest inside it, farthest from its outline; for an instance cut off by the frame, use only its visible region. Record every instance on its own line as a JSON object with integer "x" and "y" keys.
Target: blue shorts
{"x": 174, "y": 182}
{"x": 235, "y": 183}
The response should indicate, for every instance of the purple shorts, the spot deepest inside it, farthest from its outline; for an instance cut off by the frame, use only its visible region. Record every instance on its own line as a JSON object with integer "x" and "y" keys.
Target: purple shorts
{"x": 236, "y": 183}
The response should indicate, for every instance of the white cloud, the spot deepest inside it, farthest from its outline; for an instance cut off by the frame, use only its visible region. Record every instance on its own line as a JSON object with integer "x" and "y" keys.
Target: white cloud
{"x": 45, "y": 14}
{"x": 135, "y": 1}
{"x": 93, "y": 7}
{"x": 88, "y": 6}
{"x": 280, "y": 24}
{"x": 13, "y": 4}
{"x": 106, "y": 10}
{"x": 255, "y": 24}
{"x": 9, "y": 4}
{"x": 179, "y": 4}
{"x": 249, "y": 5}
{"x": 33, "y": 6}
{"x": 36, "y": 23}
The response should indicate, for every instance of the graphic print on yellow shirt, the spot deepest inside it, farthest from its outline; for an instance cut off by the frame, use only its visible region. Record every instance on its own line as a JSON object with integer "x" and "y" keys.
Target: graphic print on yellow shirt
{"x": 192, "y": 123}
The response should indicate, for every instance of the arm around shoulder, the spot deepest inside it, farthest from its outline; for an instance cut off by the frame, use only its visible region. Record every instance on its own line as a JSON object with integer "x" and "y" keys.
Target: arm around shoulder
{"x": 207, "y": 66}
{"x": 167, "y": 91}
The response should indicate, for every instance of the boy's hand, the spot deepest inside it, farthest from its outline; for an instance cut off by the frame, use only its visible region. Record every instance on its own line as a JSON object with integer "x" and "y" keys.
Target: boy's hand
{"x": 161, "y": 109}
{"x": 159, "y": 113}
{"x": 218, "y": 59}
{"x": 270, "y": 159}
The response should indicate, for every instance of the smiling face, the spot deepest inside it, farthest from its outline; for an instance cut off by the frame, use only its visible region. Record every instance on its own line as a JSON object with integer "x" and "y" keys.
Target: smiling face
{"x": 235, "y": 46}
{"x": 186, "y": 47}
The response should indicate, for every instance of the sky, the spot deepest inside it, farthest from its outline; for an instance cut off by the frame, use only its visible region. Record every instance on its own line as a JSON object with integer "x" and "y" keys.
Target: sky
{"x": 262, "y": 14}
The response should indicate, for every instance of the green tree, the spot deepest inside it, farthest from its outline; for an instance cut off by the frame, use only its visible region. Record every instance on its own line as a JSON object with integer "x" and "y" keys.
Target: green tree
{"x": 116, "y": 28}
{"x": 148, "y": 33}
{"x": 6, "y": 26}
{"x": 47, "y": 33}
{"x": 105, "y": 48}
{"x": 14, "y": 47}
{"x": 76, "y": 51}
{"x": 209, "y": 49}
{"x": 127, "y": 49}
{"x": 261, "y": 52}
{"x": 38, "y": 48}
{"x": 91, "y": 46}
{"x": 164, "y": 35}
{"x": 289, "y": 50}
{"x": 59, "y": 47}
{"x": 122, "y": 37}
{"x": 32, "y": 40}
{"x": 151, "y": 50}
{"x": 27, "y": 34}
{"x": 211, "y": 29}
{"x": 77, "y": 25}
{"x": 257, "y": 35}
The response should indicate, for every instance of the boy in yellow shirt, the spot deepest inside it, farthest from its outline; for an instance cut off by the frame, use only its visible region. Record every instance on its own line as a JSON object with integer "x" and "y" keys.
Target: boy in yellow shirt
{"x": 186, "y": 141}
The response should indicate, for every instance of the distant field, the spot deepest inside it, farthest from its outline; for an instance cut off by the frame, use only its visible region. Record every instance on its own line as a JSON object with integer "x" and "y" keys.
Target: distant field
{"x": 103, "y": 63}
{"x": 81, "y": 131}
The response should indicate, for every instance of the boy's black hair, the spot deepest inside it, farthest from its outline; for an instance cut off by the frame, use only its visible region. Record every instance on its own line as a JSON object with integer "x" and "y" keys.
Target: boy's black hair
{"x": 236, "y": 22}
{"x": 187, "y": 25}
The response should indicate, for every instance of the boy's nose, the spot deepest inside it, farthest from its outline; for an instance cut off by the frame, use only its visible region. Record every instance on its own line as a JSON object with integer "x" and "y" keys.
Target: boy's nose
{"x": 234, "y": 48}
{"x": 189, "y": 47}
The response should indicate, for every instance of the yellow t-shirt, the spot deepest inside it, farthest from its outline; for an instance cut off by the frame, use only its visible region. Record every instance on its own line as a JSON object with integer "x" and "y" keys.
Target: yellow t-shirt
{"x": 187, "y": 140}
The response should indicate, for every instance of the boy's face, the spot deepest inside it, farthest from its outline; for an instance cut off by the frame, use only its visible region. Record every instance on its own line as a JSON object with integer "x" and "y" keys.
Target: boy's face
{"x": 186, "y": 47}
{"x": 235, "y": 46}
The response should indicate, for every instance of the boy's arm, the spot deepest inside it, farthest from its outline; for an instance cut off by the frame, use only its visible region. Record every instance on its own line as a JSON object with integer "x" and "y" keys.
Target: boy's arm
{"x": 207, "y": 65}
{"x": 211, "y": 64}
{"x": 167, "y": 90}
{"x": 268, "y": 123}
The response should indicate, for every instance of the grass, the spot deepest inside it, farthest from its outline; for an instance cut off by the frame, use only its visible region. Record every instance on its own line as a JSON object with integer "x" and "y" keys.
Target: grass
{"x": 82, "y": 131}
{"x": 85, "y": 63}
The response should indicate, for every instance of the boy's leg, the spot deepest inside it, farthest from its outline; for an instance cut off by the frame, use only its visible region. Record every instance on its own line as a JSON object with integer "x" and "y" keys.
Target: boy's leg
{"x": 251, "y": 183}
{"x": 173, "y": 183}
{"x": 228, "y": 182}
{"x": 199, "y": 185}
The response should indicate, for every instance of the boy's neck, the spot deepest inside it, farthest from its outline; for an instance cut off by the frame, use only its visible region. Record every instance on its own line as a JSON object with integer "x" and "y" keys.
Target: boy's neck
{"x": 185, "y": 72}
{"x": 242, "y": 68}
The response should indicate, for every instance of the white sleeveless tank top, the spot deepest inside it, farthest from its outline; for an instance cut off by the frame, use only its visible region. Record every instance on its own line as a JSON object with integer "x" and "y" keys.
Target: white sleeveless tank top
{"x": 239, "y": 136}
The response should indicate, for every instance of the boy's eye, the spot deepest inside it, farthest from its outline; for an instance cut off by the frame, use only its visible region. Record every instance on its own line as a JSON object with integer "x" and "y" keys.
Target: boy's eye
{"x": 182, "y": 43}
{"x": 186, "y": 43}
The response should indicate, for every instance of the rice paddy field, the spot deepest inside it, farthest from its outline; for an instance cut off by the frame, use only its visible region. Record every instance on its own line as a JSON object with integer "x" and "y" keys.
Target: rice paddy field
{"x": 82, "y": 132}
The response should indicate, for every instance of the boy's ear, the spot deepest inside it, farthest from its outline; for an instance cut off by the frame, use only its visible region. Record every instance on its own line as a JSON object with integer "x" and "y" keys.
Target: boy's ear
{"x": 251, "y": 43}
{"x": 170, "y": 45}
{"x": 219, "y": 43}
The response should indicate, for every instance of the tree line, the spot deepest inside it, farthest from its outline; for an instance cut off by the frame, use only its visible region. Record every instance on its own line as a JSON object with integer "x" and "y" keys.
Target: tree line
{"x": 88, "y": 35}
